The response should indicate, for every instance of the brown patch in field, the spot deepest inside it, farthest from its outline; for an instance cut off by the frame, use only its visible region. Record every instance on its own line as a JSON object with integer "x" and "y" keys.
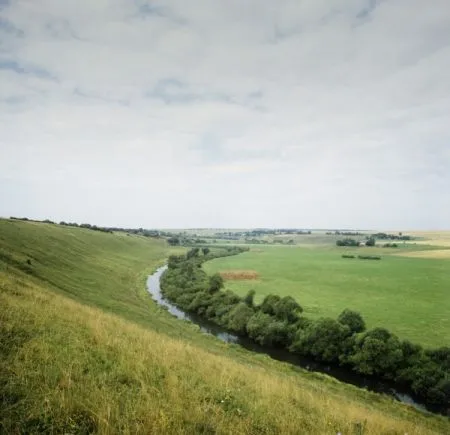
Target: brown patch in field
{"x": 435, "y": 238}
{"x": 239, "y": 274}
{"x": 438, "y": 254}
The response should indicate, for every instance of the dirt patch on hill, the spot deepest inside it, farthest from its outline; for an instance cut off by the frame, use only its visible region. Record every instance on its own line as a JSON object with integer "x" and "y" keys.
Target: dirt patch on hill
{"x": 239, "y": 274}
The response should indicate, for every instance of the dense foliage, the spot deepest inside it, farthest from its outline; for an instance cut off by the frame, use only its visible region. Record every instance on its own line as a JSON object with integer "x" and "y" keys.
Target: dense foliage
{"x": 384, "y": 236}
{"x": 347, "y": 242}
{"x": 278, "y": 321}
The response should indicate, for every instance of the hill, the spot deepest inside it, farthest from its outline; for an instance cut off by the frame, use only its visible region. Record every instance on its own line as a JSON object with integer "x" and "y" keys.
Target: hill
{"x": 83, "y": 349}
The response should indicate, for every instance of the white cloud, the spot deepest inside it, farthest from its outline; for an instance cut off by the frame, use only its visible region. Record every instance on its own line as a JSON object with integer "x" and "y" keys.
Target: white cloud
{"x": 212, "y": 113}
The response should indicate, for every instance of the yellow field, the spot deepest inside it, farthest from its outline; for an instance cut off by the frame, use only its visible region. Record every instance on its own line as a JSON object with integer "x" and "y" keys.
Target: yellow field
{"x": 435, "y": 238}
{"x": 439, "y": 254}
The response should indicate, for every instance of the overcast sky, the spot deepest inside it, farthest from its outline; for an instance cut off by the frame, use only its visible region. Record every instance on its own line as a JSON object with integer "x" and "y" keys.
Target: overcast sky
{"x": 226, "y": 113}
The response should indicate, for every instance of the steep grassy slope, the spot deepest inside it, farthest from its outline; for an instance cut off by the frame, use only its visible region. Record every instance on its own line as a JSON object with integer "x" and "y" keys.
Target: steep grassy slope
{"x": 409, "y": 296}
{"x": 73, "y": 360}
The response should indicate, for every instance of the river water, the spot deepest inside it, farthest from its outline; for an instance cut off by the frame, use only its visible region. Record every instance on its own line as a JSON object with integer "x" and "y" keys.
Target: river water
{"x": 340, "y": 373}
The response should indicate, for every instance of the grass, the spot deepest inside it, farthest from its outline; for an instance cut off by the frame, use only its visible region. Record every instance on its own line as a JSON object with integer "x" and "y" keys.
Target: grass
{"x": 409, "y": 296}
{"x": 84, "y": 350}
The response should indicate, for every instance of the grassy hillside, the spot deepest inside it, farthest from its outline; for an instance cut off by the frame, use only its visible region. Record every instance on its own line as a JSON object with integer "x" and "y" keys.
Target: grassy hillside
{"x": 83, "y": 349}
{"x": 407, "y": 295}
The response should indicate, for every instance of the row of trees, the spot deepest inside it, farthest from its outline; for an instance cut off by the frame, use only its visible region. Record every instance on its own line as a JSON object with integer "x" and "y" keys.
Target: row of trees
{"x": 136, "y": 231}
{"x": 344, "y": 233}
{"x": 385, "y": 236}
{"x": 353, "y": 243}
{"x": 278, "y": 321}
{"x": 86, "y": 226}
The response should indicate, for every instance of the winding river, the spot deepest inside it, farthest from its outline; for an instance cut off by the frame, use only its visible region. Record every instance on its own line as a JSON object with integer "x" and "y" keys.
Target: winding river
{"x": 342, "y": 374}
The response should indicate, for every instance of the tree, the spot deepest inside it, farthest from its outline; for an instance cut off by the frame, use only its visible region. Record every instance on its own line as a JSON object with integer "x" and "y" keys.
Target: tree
{"x": 440, "y": 356}
{"x": 238, "y": 317}
{"x": 287, "y": 309}
{"x": 266, "y": 330}
{"x": 324, "y": 339}
{"x": 192, "y": 253}
{"x": 269, "y": 303}
{"x": 353, "y": 320}
{"x": 173, "y": 241}
{"x": 370, "y": 241}
{"x": 250, "y": 298}
{"x": 215, "y": 283}
{"x": 347, "y": 242}
{"x": 378, "y": 352}
{"x": 205, "y": 251}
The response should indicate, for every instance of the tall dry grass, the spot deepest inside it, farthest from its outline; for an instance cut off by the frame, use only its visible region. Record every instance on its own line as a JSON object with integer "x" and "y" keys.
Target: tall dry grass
{"x": 70, "y": 368}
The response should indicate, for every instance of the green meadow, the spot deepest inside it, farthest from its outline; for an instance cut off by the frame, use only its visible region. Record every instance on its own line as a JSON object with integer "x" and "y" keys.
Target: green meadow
{"x": 407, "y": 295}
{"x": 83, "y": 349}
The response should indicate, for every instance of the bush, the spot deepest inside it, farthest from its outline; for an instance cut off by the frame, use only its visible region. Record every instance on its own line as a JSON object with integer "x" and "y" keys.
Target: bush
{"x": 347, "y": 242}
{"x": 324, "y": 339}
{"x": 249, "y": 298}
{"x": 370, "y": 241}
{"x": 377, "y": 352}
{"x": 266, "y": 330}
{"x": 353, "y": 320}
{"x": 369, "y": 257}
{"x": 215, "y": 283}
{"x": 238, "y": 317}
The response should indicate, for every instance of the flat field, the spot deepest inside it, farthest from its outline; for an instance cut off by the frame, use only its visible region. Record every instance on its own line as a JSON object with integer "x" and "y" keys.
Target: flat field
{"x": 405, "y": 292}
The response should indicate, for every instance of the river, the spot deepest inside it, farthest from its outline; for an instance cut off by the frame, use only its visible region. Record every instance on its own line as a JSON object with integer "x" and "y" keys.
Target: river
{"x": 340, "y": 373}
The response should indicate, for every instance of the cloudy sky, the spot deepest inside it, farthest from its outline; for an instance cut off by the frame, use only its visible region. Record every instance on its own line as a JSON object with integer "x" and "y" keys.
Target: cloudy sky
{"x": 226, "y": 113}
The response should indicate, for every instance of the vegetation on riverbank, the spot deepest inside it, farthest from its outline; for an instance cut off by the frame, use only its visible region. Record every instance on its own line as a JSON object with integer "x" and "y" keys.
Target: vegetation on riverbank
{"x": 278, "y": 322}
{"x": 83, "y": 349}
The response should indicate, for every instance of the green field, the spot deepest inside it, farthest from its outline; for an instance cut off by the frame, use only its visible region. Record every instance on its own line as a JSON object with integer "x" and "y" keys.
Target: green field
{"x": 410, "y": 296}
{"x": 83, "y": 349}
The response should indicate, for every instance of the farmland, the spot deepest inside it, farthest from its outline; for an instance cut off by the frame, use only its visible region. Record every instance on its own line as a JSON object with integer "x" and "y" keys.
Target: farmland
{"x": 407, "y": 292}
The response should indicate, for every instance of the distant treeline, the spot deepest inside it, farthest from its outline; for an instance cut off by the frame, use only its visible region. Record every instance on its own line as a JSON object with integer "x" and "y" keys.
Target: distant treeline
{"x": 236, "y": 235}
{"x": 344, "y": 233}
{"x": 137, "y": 231}
{"x": 371, "y": 241}
{"x": 352, "y": 242}
{"x": 182, "y": 240}
{"x": 384, "y": 236}
{"x": 278, "y": 322}
{"x": 376, "y": 236}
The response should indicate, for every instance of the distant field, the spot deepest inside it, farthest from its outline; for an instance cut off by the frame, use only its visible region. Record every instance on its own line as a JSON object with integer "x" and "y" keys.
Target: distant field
{"x": 436, "y": 238}
{"x": 408, "y": 295}
{"x": 435, "y": 253}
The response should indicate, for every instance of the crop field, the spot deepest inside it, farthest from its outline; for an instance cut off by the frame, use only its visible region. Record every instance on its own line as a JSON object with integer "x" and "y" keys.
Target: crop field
{"x": 408, "y": 291}
{"x": 435, "y": 238}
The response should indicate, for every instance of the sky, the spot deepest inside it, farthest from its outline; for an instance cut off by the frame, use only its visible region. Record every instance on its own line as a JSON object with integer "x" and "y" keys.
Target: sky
{"x": 226, "y": 113}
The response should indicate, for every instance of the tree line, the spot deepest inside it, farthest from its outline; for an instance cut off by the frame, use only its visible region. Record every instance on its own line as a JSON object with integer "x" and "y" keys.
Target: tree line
{"x": 279, "y": 322}
{"x": 353, "y": 243}
{"x": 137, "y": 231}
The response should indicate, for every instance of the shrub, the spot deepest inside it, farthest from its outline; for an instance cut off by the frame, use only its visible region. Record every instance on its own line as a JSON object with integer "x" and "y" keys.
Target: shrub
{"x": 324, "y": 339}
{"x": 215, "y": 283}
{"x": 369, "y": 257}
{"x": 353, "y": 320}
